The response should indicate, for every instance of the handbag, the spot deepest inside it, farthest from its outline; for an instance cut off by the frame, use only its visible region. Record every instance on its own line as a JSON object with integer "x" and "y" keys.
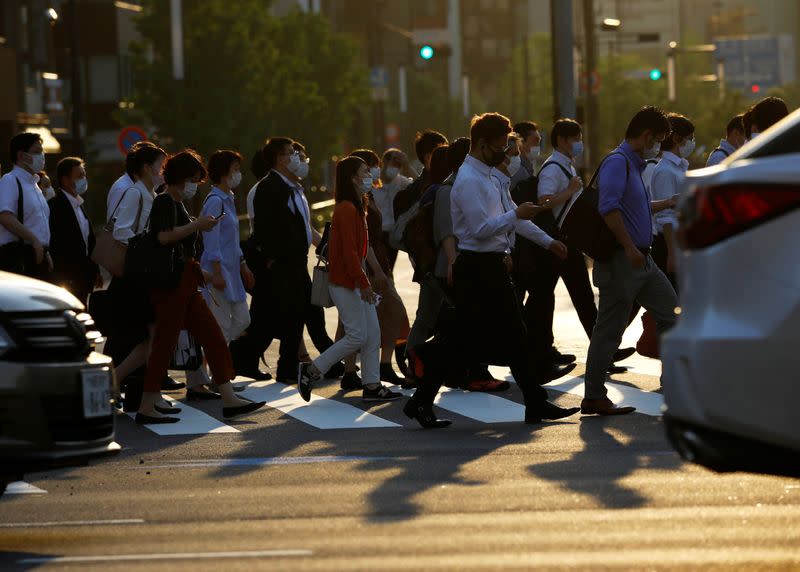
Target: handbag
{"x": 188, "y": 355}
{"x": 108, "y": 252}
{"x": 152, "y": 264}
{"x": 320, "y": 292}
{"x": 648, "y": 344}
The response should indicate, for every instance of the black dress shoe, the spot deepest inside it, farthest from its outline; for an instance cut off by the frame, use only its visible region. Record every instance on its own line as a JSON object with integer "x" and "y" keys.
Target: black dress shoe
{"x": 615, "y": 369}
{"x": 400, "y": 358}
{"x": 229, "y": 412}
{"x": 335, "y": 372}
{"x": 556, "y": 372}
{"x": 167, "y": 410}
{"x": 170, "y": 384}
{"x": 142, "y": 419}
{"x": 549, "y": 411}
{"x": 424, "y": 415}
{"x": 192, "y": 395}
{"x": 561, "y": 359}
{"x": 388, "y": 374}
{"x": 255, "y": 374}
{"x": 623, "y": 353}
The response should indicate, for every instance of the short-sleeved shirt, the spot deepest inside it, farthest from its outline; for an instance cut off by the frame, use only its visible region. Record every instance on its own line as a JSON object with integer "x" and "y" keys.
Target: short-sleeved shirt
{"x": 667, "y": 178}
{"x": 721, "y": 153}
{"x": 36, "y": 212}
{"x": 115, "y": 193}
{"x": 168, "y": 214}
{"x": 553, "y": 180}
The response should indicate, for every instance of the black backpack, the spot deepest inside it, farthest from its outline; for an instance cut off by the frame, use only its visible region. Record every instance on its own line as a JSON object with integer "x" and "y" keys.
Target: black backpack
{"x": 527, "y": 191}
{"x": 582, "y": 226}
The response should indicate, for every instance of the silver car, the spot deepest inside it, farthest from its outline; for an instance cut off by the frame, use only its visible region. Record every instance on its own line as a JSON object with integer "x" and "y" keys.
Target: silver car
{"x": 730, "y": 365}
{"x": 55, "y": 390}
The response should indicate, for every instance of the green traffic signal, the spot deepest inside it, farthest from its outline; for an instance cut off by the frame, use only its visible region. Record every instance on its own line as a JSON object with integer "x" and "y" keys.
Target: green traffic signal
{"x": 426, "y": 52}
{"x": 655, "y": 74}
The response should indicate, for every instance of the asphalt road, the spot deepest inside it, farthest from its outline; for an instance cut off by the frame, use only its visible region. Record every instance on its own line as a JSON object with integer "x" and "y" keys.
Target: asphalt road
{"x": 339, "y": 485}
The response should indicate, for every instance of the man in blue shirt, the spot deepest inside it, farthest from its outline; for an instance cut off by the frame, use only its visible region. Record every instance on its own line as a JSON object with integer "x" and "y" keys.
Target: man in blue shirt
{"x": 630, "y": 275}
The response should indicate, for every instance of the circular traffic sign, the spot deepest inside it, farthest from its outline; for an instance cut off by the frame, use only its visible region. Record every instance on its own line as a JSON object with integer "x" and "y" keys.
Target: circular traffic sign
{"x": 128, "y": 136}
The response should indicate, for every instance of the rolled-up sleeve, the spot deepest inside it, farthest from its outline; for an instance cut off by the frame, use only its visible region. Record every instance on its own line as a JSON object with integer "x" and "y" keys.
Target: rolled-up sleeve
{"x": 212, "y": 243}
{"x": 612, "y": 182}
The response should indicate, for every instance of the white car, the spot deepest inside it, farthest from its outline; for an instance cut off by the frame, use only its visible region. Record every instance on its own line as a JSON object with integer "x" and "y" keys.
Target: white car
{"x": 730, "y": 365}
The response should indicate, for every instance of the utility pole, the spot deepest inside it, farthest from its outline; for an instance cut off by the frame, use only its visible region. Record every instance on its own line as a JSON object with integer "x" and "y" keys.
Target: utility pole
{"x": 562, "y": 37}
{"x": 375, "y": 42}
{"x": 75, "y": 81}
{"x": 590, "y": 69}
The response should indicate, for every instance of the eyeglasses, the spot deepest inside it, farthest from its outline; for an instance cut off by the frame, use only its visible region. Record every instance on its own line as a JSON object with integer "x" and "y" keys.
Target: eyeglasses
{"x": 299, "y": 156}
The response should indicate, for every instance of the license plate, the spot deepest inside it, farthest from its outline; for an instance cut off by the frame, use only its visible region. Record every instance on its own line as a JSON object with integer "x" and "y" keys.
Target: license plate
{"x": 96, "y": 393}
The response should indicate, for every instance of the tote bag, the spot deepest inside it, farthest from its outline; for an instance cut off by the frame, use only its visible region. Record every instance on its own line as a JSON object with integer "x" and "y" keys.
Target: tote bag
{"x": 320, "y": 293}
{"x": 108, "y": 252}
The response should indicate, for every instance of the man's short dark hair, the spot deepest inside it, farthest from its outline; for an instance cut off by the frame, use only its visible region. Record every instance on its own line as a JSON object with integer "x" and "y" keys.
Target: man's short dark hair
{"x": 648, "y": 118}
{"x": 564, "y": 127}
{"x": 141, "y": 145}
{"x": 426, "y": 141}
{"x": 735, "y": 124}
{"x": 489, "y": 126}
{"x": 457, "y": 152}
{"x": 525, "y": 129}
{"x": 679, "y": 125}
{"x": 22, "y": 142}
{"x": 768, "y": 112}
{"x": 183, "y": 166}
{"x": 299, "y": 147}
{"x": 747, "y": 122}
{"x": 273, "y": 148}
{"x": 220, "y": 163}
{"x": 64, "y": 168}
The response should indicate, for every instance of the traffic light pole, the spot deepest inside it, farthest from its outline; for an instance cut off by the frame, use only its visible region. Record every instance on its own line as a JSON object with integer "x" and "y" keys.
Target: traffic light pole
{"x": 590, "y": 67}
{"x": 563, "y": 82}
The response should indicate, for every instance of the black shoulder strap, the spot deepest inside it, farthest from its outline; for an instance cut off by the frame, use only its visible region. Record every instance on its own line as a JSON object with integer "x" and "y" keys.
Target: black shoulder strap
{"x": 20, "y": 203}
{"x": 721, "y": 150}
{"x": 559, "y": 165}
{"x": 597, "y": 171}
{"x": 652, "y": 161}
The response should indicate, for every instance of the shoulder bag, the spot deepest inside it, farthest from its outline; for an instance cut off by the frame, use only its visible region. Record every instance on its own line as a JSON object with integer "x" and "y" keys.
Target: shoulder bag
{"x": 108, "y": 252}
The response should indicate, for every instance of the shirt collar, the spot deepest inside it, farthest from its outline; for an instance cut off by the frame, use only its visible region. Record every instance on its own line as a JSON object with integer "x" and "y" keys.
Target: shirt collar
{"x": 632, "y": 155}
{"x": 220, "y": 193}
{"x": 671, "y": 157}
{"x": 24, "y": 176}
{"x": 501, "y": 176}
{"x": 479, "y": 166}
{"x": 559, "y": 157}
{"x": 292, "y": 184}
{"x": 74, "y": 201}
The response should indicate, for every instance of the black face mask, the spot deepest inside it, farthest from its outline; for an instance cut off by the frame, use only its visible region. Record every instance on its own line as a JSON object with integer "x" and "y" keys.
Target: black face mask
{"x": 496, "y": 157}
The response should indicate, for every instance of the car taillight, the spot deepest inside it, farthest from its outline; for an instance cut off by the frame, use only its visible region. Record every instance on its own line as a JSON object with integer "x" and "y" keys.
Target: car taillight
{"x": 713, "y": 214}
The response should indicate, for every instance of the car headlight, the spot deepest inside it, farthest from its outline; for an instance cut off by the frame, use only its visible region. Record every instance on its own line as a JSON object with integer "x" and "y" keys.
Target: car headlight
{"x": 6, "y": 343}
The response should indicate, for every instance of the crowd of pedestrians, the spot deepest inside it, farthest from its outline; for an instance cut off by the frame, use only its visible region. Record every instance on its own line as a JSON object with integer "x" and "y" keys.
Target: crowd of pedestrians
{"x": 483, "y": 224}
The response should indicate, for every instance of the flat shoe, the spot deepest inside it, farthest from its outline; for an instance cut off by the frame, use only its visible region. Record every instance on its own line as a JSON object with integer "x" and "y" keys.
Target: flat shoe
{"x": 142, "y": 419}
{"x": 229, "y": 412}
{"x": 170, "y": 384}
{"x": 192, "y": 395}
{"x": 167, "y": 410}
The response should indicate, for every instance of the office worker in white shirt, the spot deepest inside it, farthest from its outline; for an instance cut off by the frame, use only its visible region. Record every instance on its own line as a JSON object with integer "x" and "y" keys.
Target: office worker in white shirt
{"x": 734, "y": 138}
{"x": 490, "y": 326}
{"x": 124, "y": 182}
{"x": 667, "y": 178}
{"x": 529, "y": 150}
{"x": 24, "y": 214}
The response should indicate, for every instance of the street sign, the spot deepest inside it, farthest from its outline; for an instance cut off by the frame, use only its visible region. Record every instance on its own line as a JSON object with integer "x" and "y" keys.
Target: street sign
{"x": 378, "y": 77}
{"x": 128, "y": 136}
{"x": 763, "y": 61}
{"x": 590, "y": 81}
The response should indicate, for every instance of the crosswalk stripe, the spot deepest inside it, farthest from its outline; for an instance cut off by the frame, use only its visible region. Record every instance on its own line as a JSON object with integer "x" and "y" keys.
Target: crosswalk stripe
{"x": 320, "y": 412}
{"x": 23, "y": 488}
{"x": 193, "y": 422}
{"x": 645, "y": 402}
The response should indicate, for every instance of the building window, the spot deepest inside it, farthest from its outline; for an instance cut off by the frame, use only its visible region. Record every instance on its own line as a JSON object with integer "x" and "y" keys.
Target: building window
{"x": 103, "y": 79}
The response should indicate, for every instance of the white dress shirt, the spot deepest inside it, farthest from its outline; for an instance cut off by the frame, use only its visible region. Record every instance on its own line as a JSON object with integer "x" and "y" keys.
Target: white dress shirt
{"x": 384, "y": 199}
{"x": 484, "y": 217}
{"x": 553, "y": 180}
{"x": 716, "y": 157}
{"x": 299, "y": 198}
{"x": 36, "y": 212}
{"x": 125, "y": 226}
{"x": 115, "y": 194}
{"x": 667, "y": 178}
{"x": 251, "y": 210}
{"x": 83, "y": 222}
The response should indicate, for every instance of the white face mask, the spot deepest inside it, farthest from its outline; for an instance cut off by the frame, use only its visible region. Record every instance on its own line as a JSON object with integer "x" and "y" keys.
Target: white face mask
{"x": 391, "y": 173}
{"x": 189, "y": 190}
{"x": 295, "y": 166}
{"x": 235, "y": 179}
{"x": 577, "y": 149}
{"x": 652, "y": 152}
{"x": 364, "y": 185}
{"x": 302, "y": 170}
{"x": 37, "y": 162}
{"x": 48, "y": 193}
{"x": 534, "y": 153}
{"x": 514, "y": 164}
{"x": 375, "y": 172}
{"x": 686, "y": 149}
{"x": 81, "y": 185}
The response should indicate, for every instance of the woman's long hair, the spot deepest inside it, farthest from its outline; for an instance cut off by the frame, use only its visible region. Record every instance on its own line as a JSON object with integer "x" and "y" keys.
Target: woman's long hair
{"x": 345, "y": 190}
{"x": 440, "y": 168}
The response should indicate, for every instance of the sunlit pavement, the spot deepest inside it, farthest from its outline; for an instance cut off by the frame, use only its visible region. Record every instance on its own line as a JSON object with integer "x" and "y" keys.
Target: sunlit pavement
{"x": 339, "y": 485}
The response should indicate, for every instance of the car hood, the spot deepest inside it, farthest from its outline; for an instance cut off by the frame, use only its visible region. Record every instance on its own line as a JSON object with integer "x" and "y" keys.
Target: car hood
{"x": 22, "y": 294}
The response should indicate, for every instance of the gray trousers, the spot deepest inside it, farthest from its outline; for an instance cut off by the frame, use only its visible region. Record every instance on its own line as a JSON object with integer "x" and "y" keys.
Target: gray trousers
{"x": 621, "y": 285}
{"x": 428, "y": 308}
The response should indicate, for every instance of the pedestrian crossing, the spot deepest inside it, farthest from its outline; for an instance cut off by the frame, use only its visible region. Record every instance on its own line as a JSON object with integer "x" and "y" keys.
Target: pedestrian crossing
{"x": 337, "y": 411}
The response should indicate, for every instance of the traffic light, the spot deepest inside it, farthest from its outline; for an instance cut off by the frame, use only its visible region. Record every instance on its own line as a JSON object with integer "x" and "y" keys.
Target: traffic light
{"x": 755, "y": 88}
{"x": 655, "y": 74}
{"x": 427, "y": 52}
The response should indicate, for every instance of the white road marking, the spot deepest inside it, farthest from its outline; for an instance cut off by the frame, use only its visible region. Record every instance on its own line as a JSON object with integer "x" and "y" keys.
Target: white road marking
{"x": 480, "y": 406}
{"x": 23, "y": 488}
{"x": 256, "y": 462}
{"x": 193, "y": 422}
{"x": 72, "y": 523}
{"x": 167, "y": 556}
{"x": 320, "y": 412}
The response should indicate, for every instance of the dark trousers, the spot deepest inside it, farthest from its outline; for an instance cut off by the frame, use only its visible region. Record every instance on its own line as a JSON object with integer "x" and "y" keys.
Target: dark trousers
{"x": 660, "y": 254}
{"x": 315, "y": 324}
{"x": 278, "y": 310}
{"x": 489, "y": 328}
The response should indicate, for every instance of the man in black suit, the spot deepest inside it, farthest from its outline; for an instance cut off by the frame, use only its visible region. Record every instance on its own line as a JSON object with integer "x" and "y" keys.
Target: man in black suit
{"x": 278, "y": 256}
{"x": 71, "y": 235}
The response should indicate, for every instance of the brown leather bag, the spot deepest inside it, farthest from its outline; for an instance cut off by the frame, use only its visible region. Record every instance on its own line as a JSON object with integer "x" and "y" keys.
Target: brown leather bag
{"x": 108, "y": 252}
{"x": 648, "y": 344}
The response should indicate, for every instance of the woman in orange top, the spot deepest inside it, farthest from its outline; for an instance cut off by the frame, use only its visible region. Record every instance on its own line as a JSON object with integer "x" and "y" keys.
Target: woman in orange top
{"x": 349, "y": 286}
